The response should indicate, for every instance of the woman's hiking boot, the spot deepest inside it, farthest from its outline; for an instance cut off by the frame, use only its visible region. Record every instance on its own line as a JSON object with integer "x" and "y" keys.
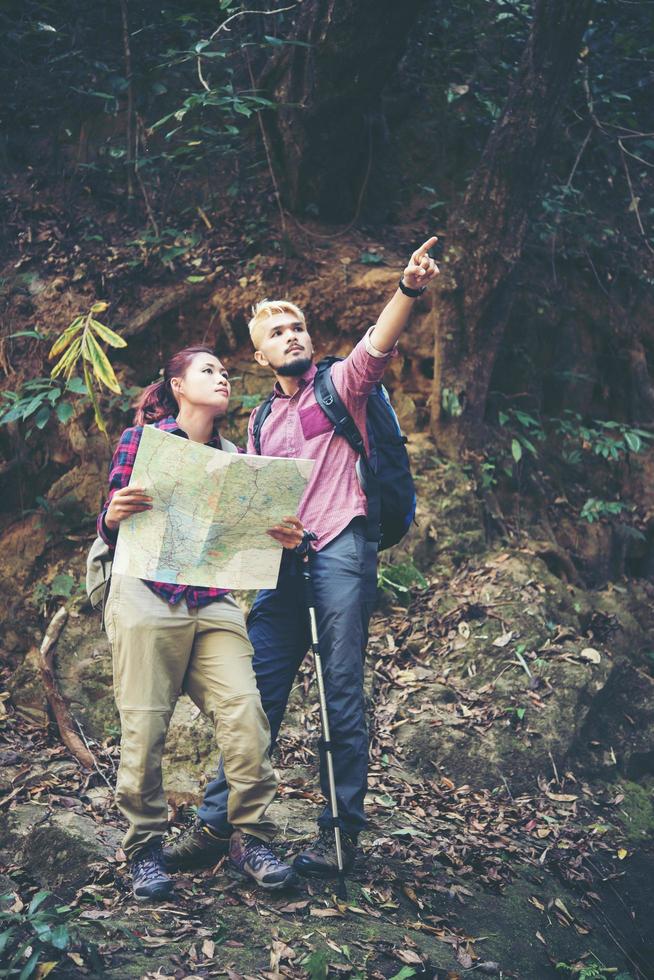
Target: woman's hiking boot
{"x": 253, "y": 858}
{"x": 196, "y": 847}
{"x": 149, "y": 878}
{"x": 319, "y": 860}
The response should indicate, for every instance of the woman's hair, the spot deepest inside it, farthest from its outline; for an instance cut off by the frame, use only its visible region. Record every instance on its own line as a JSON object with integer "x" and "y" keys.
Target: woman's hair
{"x": 157, "y": 400}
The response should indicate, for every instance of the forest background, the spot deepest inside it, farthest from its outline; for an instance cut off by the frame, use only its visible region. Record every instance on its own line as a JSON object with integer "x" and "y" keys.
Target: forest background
{"x": 165, "y": 166}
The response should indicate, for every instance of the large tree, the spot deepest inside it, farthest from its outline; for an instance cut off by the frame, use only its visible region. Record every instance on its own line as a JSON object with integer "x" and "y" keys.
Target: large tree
{"x": 327, "y": 88}
{"x": 486, "y": 235}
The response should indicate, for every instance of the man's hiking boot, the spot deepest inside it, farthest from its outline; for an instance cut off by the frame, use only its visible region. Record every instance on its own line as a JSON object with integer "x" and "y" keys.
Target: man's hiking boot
{"x": 149, "y": 879}
{"x": 196, "y": 847}
{"x": 318, "y": 860}
{"x": 254, "y": 859}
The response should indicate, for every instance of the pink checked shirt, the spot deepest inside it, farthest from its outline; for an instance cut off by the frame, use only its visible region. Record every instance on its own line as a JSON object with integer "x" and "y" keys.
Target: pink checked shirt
{"x": 297, "y": 428}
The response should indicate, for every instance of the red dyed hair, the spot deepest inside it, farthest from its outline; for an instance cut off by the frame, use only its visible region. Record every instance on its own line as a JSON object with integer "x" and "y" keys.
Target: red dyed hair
{"x": 157, "y": 400}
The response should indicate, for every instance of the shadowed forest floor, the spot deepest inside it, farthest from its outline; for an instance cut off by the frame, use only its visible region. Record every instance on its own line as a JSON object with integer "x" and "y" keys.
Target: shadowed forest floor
{"x": 451, "y": 880}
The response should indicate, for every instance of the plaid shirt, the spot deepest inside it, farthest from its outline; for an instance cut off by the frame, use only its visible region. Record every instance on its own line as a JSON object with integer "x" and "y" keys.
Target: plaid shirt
{"x": 122, "y": 465}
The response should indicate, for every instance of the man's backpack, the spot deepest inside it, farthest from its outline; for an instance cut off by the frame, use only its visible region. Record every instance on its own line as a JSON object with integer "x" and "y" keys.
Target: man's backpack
{"x": 385, "y": 473}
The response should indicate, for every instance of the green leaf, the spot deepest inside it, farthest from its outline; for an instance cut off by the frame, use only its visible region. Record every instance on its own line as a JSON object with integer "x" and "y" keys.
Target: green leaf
{"x": 27, "y": 333}
{"x": 102, "y": 369}
{"x": 516, "y": 450}
{"x": 62, "y": 342}
{"x": 404, "y": 974}
{"x": 76, "y": 385}
{"x": 30, "y": 966}
{"x": 67, "y": 361}
{"x": 99, "y": 421}
{"x": 450, "y": 403}
{"x": 60, "y": 937}
{"x": 42, "y": 417}
{"x": 109, "y": 336}
{"x": 195, "y": 278}
{"x": 316, "y": 965}
{"x": 633, "y": 441}
{"x": 64, "y": 412}
{"x": 62, "y": 586}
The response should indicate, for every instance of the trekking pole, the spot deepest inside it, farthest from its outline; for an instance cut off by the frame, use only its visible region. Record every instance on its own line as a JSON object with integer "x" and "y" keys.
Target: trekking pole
{"x": 303, "y": 551}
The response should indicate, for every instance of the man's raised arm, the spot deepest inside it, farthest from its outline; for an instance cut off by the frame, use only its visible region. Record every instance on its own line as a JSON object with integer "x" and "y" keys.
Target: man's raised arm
{"x": 395, "y": 315}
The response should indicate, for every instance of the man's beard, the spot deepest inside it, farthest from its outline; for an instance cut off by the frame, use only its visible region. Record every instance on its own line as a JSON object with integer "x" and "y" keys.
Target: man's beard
{"x": 294, "y": 368}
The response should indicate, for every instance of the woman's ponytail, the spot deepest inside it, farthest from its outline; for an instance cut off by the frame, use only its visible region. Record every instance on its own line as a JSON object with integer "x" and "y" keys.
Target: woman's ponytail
{"x": 155, "y": 402}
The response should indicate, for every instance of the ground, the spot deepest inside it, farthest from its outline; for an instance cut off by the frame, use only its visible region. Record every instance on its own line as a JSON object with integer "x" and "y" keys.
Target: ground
{"x": 522, "y": 876}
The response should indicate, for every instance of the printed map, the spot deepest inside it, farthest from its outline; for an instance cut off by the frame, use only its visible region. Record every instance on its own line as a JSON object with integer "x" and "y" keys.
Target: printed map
{"x": 210, "y": 512}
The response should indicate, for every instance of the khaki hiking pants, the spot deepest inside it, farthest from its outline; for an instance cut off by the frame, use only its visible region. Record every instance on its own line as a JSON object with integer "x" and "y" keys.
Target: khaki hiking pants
{"x": 159, "y": 652}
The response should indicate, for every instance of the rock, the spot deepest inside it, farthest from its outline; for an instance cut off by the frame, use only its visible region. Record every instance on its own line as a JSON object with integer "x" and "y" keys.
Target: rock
{"x": 21, "y": 545}
{"x": 511, "y": 749}
{"x": 618, "y": 732}
{"x": 572, "y": 709}
{"x": 79, "y": 493}
{"x": 26, "y": 688}
{"x": 56, "y": 849}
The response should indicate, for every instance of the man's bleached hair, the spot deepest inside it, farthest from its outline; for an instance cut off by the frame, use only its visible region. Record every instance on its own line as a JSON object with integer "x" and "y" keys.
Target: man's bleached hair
{"x": 266, "y": 308}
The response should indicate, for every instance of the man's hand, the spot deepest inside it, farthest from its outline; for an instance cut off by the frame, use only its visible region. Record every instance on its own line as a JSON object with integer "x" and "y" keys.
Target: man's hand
{"x": 421, "y": 268}
{"x": 289, "y": 534}
{"x": 125, "y": 502}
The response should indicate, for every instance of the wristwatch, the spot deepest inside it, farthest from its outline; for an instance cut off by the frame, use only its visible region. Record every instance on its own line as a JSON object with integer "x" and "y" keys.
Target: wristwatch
{"x": 413, "y": 293}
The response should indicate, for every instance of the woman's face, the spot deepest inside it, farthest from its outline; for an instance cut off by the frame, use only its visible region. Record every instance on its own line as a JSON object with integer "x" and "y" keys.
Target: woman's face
{"x": 205, "y": 384}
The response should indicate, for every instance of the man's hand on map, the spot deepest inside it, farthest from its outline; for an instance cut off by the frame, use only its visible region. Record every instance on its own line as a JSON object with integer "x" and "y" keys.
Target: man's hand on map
{"x": 125, "y": 502}
{"x": 289, "y": 533}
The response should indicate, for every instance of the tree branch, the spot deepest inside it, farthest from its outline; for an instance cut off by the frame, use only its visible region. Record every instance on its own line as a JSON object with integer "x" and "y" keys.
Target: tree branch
{"x": 69, "y": 736}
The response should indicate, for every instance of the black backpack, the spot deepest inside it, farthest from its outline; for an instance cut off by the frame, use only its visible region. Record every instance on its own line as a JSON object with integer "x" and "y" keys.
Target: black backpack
{"x": 384, "y": 474}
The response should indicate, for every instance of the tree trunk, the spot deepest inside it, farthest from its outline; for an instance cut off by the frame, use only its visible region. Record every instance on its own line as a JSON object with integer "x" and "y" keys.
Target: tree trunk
{"x": 324, "y": 132}
{"x": 486, "y": 236}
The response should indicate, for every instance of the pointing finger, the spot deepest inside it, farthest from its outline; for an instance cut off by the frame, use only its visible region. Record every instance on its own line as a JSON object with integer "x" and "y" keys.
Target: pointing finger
{"x": 424, "y": 248}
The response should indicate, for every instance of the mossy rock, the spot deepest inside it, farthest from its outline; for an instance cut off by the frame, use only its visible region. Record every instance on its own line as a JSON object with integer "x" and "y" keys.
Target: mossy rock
{"x": 57, "y": 849}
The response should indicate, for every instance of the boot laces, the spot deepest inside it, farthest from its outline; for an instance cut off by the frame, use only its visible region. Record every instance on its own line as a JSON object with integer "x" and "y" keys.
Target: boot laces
{"x": 258, "y": 853}
{"x": 148, "y": 865}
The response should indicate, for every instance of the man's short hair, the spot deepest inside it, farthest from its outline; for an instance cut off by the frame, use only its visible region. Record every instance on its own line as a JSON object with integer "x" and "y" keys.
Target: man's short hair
{"x": 266, "y": 308}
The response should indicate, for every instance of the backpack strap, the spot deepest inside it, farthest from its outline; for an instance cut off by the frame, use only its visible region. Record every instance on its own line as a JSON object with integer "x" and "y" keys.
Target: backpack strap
{"x": 344, "y": 425}
{"x": 332, "y": 405}
{"x": 263, "y": 412}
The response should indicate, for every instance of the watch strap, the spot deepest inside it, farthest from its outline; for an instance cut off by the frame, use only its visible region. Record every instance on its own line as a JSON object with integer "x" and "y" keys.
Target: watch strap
{"x": 408, "y": 291}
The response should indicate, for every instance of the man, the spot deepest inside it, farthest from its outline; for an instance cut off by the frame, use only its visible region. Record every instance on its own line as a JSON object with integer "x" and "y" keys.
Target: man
{"x": 343, "y": 566}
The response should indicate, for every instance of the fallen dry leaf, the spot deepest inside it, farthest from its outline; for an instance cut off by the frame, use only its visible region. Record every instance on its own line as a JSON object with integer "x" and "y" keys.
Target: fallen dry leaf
{"x": 590, "y": 654}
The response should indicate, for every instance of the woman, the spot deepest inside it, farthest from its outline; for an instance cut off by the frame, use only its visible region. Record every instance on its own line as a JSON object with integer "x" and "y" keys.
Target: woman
{"x": 168, "y": 639}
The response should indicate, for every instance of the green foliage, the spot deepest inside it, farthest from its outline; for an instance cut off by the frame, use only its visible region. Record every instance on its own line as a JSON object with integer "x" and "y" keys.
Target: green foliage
{"x": 608, "y": 439}
{"x": 32, "y": 936}
{"x": 41, "y": 398}
{"x": 525, "y": 428}
{"x": 316, "y": 965}
{"x": 594, "y": 509}
{"x": 450, "y": 403}
{"x": 38, "y": 400}
{"x": 592, "y": 970}
{"x": 400, "y": 578}
{"x": 80, "y": 342}
{"x": 63, "y": 586}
